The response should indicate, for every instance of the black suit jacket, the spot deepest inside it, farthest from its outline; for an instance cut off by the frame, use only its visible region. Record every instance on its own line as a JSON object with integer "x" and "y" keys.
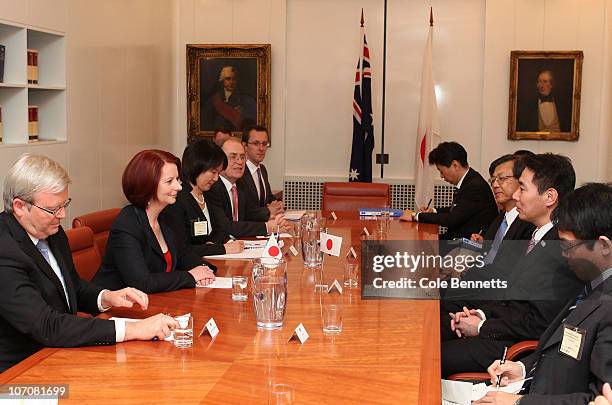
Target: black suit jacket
{"x": 473, "y": 209}
{"x": 181, "y": 215}
{"x": 134, "y": 258}
{"x": 251, "y": 189}
{"x": 538, "y": 287}
{"x": 248, "y": 224}
{"x": 33, "y": 309}
{"x": 561, "y": 379}
{"x": 527, "y": 119}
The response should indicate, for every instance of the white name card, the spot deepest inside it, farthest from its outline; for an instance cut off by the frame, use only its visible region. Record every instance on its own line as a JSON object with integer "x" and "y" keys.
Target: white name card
{"x": 335, "y": 287}
{"x": 299, "y": 333}
{"x": 210, "y": 328}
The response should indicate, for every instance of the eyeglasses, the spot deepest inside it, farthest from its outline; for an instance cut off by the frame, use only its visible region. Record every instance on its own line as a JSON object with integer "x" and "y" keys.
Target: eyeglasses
{"x": 55, "y": 211}
{"x": 499, "y": 179}
{"x": 257, "y": 144}
{"x": 567, "y": 245}
{"x": 236, "y": 157}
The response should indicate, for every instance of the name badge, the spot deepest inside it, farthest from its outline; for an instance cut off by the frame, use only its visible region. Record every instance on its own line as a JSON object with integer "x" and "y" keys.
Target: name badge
{"x": 573, "y": 341}
{"x": 200, "y": 228}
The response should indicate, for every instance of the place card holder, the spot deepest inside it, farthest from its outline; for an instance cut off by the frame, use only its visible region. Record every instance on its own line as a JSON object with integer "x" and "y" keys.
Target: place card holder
{"x": 335, "y": 287}
{"x": 210, "y": 329}
{"x": 300, "y": 334}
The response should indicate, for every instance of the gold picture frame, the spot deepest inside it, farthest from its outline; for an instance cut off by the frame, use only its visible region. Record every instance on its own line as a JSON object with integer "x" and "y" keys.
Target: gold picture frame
{"x": 228, "y": 86}
{"x": 545, "y": 95}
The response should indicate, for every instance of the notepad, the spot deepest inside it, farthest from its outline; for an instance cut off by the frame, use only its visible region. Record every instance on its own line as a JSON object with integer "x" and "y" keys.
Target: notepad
{"x": 220, "y": 282}
{"x": 463, "y": 393}
{"x": 294, "y": 215}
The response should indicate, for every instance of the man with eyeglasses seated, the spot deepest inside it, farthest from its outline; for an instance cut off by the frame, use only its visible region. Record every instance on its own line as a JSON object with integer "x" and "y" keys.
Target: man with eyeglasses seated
{"x": 255, "y": 179}
{"x": 40, "y": 290}
{"x": 244, "y": 217}
{"x": 507, "y": 226}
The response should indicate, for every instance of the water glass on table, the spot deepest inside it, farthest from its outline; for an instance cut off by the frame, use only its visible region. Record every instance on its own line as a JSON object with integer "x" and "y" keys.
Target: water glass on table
{"x": 183, "y": 335}
{"x": 350, "y": 275}
{"x": 239, "y": 288}
{"x": 332, "y": 319}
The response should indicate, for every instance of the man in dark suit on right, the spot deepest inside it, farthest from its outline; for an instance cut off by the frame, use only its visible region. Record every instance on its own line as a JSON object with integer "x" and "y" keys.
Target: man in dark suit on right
{"x": 574, "y": 355}
{"x": 538, "y": 285}
{"x": 473, "y": 207}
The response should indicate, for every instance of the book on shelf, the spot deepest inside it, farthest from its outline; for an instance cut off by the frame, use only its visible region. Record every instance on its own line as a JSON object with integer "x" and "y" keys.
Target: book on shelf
{"x": 2, "y": 53}
{"x": 32, "y": 66}
{"x": 0, "y": 124}
{"x": 32, "y": 123}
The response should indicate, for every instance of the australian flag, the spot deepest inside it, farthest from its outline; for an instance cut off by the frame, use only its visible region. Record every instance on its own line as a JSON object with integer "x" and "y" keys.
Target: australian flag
{"x": 363, "y": 131}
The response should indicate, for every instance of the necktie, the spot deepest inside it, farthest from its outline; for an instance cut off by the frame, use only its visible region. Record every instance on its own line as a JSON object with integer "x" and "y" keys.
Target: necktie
{"x": 262, "y": 189}
{"x": 497, "y": 241}
{"x": 531, "y": 244}
{"x": 455, "y": 191}
{"x": 43, "y": 248}
{"x": 235, "y": 203}
{"x": 581, "y": 297}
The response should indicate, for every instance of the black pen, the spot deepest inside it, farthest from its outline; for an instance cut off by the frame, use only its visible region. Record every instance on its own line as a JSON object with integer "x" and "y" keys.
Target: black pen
{"x": 503, "y": 360}
{"x": 428, "y": 204}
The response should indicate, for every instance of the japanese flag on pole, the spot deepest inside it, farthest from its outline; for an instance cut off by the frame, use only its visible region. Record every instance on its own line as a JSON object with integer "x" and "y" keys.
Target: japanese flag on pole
{"x": 331, "y": 244}
{"x": 272, "y": 250}
{"x": 428, "y": 130}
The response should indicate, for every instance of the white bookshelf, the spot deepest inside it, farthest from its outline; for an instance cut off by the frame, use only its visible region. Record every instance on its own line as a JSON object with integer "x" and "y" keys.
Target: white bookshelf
{"x": 50, "y": 92}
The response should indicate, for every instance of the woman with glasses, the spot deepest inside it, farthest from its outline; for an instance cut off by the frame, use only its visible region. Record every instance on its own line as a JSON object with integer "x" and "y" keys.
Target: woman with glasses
{"x": 195, "y": 222}
{"x": 142, "y": 250}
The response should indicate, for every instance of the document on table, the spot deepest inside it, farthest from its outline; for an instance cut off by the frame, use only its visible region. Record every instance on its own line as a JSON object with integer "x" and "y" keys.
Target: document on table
{"x": 294, "y": 215}
{"x": 220, "y": 282}
{"x": 253, "y": 249}
{"x": 282, "y": 235}
{"x": 463, "y": 393}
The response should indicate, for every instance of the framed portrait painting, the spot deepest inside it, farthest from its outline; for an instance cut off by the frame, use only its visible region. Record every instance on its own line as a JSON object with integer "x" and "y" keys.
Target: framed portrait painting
{"x": 545, "y": 95}
{"x": 228, "y": 86}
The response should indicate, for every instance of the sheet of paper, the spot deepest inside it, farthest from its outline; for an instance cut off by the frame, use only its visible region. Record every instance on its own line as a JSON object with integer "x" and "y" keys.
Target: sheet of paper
{"x": 480, "y": 390}
{"x": 220, "y": 282}
{"x": 282, "y": 235}
{"x": 456, "y": 392}
{"x": 255, "y": 244}
{"x": 294, "y": 215}
{"x": 247, "y": 254}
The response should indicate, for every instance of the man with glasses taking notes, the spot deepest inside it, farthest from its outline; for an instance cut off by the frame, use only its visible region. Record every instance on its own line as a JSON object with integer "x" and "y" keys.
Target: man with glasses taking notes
{"x": 574, "y": 355}
{"x": 255, "y": 180}
{"x": 40, "y": 291}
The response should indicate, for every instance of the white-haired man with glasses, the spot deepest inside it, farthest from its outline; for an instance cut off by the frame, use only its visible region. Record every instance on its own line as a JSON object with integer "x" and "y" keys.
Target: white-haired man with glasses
{"x": 40, "y": 291}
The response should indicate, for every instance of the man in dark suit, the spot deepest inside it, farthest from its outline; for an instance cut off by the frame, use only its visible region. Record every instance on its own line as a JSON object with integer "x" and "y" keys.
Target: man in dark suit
{"x": 243, "y": 218}
{"x": 574, "y": 355}
{"x": 503, "y": 238}
{"x": 255, "y": 179}
{"x": 537, "y": 287}
{"x": 473, "y": 207}
{"x": 546, "y": 110}
{"x": 40, "y": 291}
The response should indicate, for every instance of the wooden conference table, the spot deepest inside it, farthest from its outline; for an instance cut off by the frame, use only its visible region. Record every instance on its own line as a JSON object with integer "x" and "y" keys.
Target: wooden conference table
{"x": 388, "y": 352}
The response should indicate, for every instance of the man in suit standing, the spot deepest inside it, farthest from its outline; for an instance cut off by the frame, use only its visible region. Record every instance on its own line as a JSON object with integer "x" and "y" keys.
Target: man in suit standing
{"x": 242, "y": 216}
{"x": 255, "y": 179}
{"x": 473, "y": 207}
{"x": 574, "y": 354}
{"x": 538, "y": 285}
{"x": 40, "y": 290}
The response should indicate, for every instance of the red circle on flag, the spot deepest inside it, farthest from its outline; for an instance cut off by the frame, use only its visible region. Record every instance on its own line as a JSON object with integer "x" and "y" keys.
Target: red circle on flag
{"x": 273, "y": 251}
{"x": 329, "y": 244}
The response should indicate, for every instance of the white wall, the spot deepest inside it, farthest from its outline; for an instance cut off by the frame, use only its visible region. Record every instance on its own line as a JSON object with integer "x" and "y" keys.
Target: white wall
{"x": 119, "y": 89}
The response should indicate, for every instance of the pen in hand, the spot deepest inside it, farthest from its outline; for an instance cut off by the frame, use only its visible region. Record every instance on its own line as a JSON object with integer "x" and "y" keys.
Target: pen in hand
{"x": 503, "y": 360}
{"x": 429, "y": 204}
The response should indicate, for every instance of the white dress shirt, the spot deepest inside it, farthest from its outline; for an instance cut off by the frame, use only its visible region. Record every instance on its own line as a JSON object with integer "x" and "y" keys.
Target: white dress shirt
{"x": 228, "y": 186}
